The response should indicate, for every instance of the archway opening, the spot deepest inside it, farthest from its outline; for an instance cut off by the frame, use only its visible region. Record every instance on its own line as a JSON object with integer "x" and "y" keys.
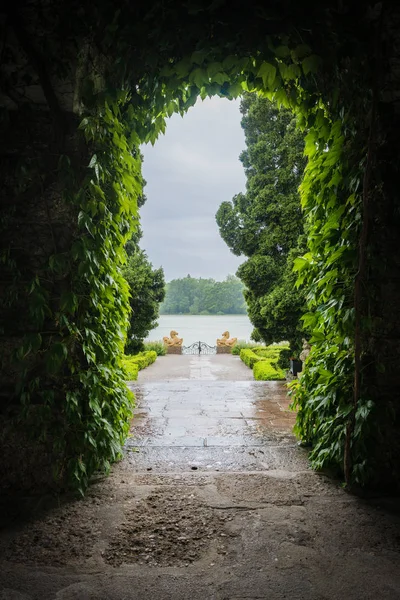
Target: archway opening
{"x": 71, "y": 289}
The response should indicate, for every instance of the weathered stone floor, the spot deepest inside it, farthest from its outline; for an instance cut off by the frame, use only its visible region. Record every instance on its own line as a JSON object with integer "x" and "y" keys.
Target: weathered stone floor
{"x": 213, "y": 500}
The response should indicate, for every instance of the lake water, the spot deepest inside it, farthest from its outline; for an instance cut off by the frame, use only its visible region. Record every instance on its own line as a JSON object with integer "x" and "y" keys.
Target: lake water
{"x": 203, "y": 328}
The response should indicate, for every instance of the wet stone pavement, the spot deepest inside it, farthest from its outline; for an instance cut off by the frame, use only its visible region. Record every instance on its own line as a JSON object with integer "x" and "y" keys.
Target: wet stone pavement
{"x": 207, "y": 413}
{"x": 212, "y": 500}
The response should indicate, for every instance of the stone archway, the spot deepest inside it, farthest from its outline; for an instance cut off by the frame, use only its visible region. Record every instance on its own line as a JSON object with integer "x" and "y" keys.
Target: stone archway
{"x": 70, "y": 196}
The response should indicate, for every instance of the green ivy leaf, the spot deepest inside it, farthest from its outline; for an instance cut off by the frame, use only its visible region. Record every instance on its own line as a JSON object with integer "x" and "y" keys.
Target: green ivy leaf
{"x": 213, "y": 68}
{"x": 219, "y": 78}
{"x": 301, "y": 51}
{"x": 300, "y": 264}
{"x": 198, "y": 57}
{"x": 68, "y": 302}
{"x": 33, "y": 342}
{"x": 311, "y": 64}
{"x": 267, "y": 72}
{"x": 230, "y": 61}
{"x": 199, "y": 77}
{"x": 182, "y": 68}
{"x": 235, "y": 90}
{"x": 289, "y": 72}
{"x": 55, "y": 357}
{"x": 282, "y": 51}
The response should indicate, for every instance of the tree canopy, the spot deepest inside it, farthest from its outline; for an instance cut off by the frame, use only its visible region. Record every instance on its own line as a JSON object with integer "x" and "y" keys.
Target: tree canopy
{"x": 265, "y": 224}
{"x": 189, "y": 295}
{"x": 147, "y": 290}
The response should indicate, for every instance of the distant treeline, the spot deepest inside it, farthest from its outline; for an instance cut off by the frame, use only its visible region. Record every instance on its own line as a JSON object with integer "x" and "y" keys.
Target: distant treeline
{"x": 190, "y": 296}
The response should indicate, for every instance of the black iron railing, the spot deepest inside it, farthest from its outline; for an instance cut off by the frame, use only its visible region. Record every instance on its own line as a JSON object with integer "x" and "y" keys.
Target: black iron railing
{"x": 199, "y": 348}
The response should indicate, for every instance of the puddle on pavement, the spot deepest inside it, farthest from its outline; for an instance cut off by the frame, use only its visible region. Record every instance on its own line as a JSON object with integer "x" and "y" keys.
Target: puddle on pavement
{"x": 210, "y": 419}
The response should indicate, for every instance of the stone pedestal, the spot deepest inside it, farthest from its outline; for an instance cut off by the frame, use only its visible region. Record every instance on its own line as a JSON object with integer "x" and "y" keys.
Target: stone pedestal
{"x": 224, "y": 350}
{"x": 174, "y": 349}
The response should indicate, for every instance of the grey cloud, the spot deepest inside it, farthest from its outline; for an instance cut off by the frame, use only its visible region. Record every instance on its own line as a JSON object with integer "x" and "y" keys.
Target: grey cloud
{"x": 189, "y": 172}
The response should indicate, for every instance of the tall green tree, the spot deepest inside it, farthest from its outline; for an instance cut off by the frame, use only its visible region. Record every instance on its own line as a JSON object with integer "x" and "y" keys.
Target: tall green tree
{"x": 146, "y": 290}
{"x": 265, "y": 223}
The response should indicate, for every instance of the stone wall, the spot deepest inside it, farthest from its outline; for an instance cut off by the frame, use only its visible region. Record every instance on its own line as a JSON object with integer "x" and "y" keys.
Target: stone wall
{"x": 381, "y": 302}
{"x": 37, "y": 127}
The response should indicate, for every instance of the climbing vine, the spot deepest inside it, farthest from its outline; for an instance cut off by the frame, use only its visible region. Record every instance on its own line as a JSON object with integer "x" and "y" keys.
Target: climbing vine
{"x": 72, "y": 380}
{"x": 87, "y": 411}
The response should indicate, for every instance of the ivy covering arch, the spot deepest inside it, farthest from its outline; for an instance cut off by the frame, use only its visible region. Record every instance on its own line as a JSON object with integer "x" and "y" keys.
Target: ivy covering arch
{"x": 80, "y": 96}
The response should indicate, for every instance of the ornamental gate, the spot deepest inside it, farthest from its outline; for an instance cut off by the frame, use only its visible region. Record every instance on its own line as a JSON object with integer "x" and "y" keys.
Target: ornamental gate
{"x": 199, "y": 348}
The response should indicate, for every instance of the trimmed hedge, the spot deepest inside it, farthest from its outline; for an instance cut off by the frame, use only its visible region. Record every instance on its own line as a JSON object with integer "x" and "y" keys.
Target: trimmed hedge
{"x": 271, "y": 352}
{"x": 131, "y": 370}
{"x": 137, "y": 362}
{"x": 266, "y": 371}
{"x": 249, "y": 357}
{"x": 264, "y": 360}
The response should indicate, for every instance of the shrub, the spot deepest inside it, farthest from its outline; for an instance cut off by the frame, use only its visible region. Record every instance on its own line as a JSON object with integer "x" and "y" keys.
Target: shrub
{"x": 271, "y": 352}
{"x": 278, "y": 355}
{"x": 242, "y": 344}
{"x": 144, "y": 359}
{"x": 264, "y": 360}
{"x": 249, "y": 357}
{"x": 134, "y": 363}
{"x": 264, "y": 370}
{"x": 131, "y": 370}
{"x": 284, "y": 358}
{"x": 157, "y": 346}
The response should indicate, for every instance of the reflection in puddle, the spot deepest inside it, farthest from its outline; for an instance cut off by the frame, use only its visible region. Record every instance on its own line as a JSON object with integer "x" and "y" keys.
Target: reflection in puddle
{"x": 223, "y": 413}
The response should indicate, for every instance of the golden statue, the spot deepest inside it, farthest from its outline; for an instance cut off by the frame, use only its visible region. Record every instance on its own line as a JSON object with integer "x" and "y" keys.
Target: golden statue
{"x": 173, "y": 340}
{"x": 226, "y": 340}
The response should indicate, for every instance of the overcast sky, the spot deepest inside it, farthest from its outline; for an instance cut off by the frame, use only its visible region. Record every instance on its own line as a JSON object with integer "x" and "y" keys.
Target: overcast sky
{"x": 189, "y": 171}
